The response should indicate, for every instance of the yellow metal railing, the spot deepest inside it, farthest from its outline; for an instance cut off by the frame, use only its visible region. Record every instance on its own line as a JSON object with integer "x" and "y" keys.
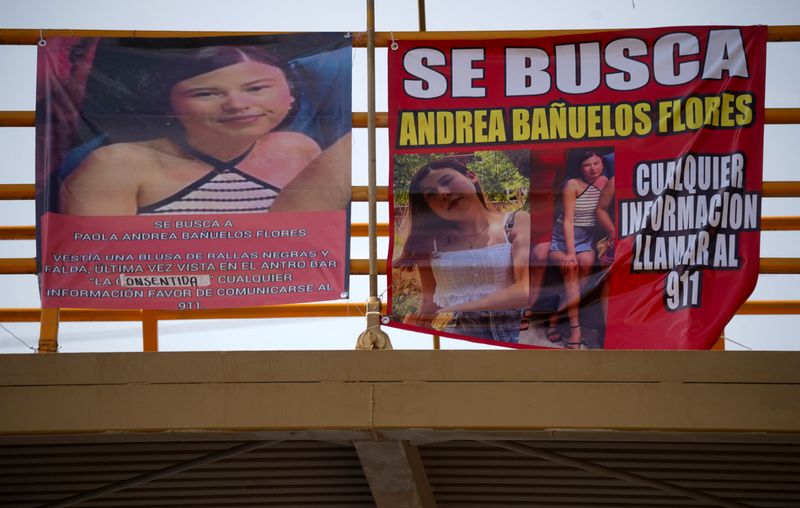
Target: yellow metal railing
{"x": 49, "y": 318}
{"x": 30, "y": 36}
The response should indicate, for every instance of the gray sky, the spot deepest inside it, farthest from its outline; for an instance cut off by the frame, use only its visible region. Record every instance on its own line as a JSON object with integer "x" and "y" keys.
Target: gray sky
{"x": 17, "y": 145}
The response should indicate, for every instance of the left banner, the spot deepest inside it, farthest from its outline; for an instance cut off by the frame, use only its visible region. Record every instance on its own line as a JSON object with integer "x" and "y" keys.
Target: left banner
{"x": 193, "y": 173}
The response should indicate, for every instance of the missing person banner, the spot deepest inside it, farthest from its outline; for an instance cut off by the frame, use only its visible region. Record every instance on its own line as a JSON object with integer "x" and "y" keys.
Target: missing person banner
{"x": 589, "y": 191}
{"x": 193, "y": 173}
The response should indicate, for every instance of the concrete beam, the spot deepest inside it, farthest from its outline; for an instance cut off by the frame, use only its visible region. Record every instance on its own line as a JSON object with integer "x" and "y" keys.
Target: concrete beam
{"x": 385, "y": 391}
{"x": 396, "y": 474}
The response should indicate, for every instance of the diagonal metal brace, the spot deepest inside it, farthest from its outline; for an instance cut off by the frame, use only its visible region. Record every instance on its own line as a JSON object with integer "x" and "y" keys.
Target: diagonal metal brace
{"x": 616, "y": 473}
{"x": 157, "y": 475}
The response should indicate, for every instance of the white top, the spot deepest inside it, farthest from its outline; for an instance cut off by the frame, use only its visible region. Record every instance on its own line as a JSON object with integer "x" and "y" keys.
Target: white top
{"x": 467, "y": 275}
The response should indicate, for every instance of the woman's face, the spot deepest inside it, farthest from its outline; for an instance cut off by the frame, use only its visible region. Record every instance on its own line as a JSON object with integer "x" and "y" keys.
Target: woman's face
{"x": 247, "y": 99}
{"x": 592, "y": 168}
{"x": 449, "y": 193}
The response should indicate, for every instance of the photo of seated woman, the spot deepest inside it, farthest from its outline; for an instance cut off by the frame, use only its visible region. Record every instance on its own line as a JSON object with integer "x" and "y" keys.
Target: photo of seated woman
{"x": 211, "y": 127}
{"x": 462, "y": 244}
{"x": 577, "y": 320}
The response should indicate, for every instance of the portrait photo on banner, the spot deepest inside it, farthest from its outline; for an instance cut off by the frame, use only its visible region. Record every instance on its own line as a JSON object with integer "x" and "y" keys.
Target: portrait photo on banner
{"x": 194, "y": 140}
{"x": 480, "y": 247}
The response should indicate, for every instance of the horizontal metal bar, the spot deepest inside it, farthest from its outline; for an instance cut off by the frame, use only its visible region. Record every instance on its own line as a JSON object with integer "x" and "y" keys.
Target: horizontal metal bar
{"x": 781, "y": 116}
{"x": 360, "y": 119}
{"x": 357, "y": 229}
{"x": 274, "y": 311}
{"x": 23, "y": 191}
{"x": 360, "y": 229}
{"x": 780, "y": 223}
{"x": 17, "y": 118}
{"x": 17, "y": 191}
{"x": 783, "y": 266}
{"x": 361, "y": 193}
{"x": 781, "y": 190}
{"x": 750, "y": 308}
{"x": 781, "y": 33}
{"x": 28, "y": 119}
{"x": 769, "y": 307}
{"x": 16, "y": 36}
{"x": 21, "y": 266}
{"x": 17, "y": 232}
{"x": 777, "y": 116}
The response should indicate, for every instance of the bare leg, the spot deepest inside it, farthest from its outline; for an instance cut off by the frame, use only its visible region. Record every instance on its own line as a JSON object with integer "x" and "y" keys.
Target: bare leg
{"x": 538, "y": 264}
{"x": 585, "y": 264}
{"x": 572, "y": 292}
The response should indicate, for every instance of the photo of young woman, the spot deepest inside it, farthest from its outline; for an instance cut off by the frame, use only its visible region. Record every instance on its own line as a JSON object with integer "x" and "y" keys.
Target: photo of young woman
{"x": 572, "y": 249}
{"x": 471, "y": 259}
{"x": 224, "y": 144}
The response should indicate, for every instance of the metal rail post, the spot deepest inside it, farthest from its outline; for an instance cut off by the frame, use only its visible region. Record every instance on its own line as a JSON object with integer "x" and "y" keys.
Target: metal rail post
{"x": 373, "y": 337}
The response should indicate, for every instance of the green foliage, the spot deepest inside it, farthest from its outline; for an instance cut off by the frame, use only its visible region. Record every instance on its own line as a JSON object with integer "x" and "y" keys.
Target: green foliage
{"x": 405, "y": 166}
{"x": 499, "y": 177}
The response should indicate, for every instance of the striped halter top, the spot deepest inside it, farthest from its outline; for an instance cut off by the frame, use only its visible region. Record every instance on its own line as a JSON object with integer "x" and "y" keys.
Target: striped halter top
{"x": 225, "y": 189}
{"x": 586, "y": 206}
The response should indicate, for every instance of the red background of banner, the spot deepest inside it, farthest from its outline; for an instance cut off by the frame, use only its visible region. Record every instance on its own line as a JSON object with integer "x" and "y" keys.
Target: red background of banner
{"x": 322, "y": 230}
{"x": 637, "y": 318}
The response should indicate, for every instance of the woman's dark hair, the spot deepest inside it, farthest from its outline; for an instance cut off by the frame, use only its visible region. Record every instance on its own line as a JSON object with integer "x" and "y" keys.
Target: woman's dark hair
{"x": 576, "y": 158}
{"x": 425, "y": 224}
{"x": 128, "y": 91}
{"x": 212, "y": 58}
{"x": 208, "y": 59}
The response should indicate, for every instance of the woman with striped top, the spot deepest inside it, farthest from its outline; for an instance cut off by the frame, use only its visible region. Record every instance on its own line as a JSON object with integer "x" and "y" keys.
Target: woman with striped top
{"x": 226, "y": 155}
{"x": 573, "y": 236}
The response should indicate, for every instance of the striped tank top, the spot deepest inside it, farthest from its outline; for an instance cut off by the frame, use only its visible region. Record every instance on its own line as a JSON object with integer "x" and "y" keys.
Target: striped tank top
{"x": 586, "y": 206}
{"x": 225, "y": 189}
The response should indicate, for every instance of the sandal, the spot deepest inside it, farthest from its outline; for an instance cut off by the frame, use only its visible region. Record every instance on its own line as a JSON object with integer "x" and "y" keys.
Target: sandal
{"x": 569, "y": 344}
{"x": 525, "y": 321}
{"x": 553, "y": 335}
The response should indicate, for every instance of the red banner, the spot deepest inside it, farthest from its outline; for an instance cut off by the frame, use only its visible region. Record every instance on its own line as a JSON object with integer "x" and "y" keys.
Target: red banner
{"x": 588, "y": 191}
{"x": 193, "y": 173}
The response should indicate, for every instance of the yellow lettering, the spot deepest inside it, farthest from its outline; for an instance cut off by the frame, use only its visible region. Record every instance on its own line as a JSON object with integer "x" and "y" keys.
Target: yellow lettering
{"x": 594, "y": 121}
{"x": 726, "y": 111}
{"x": 744, "y": 107}
{"x": 577, "y": 122}
{"x": 445, "y": 131}
{"x": 623, "y": 120}
{"x": 558, "y": 121}
{"x": 539, "y": 129}
{"x": 427, "y": 128}
{"x": 480, "y": 126}
{"x": 408, "y": 129}
{"x": 520, "y": 126}
{"x": 463, "y": 127}
{"x": 644, "y": 124}
{"x": 664, "y": 114}
{"x": 712, "y": 103}
{"x": 497, "y": 127}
